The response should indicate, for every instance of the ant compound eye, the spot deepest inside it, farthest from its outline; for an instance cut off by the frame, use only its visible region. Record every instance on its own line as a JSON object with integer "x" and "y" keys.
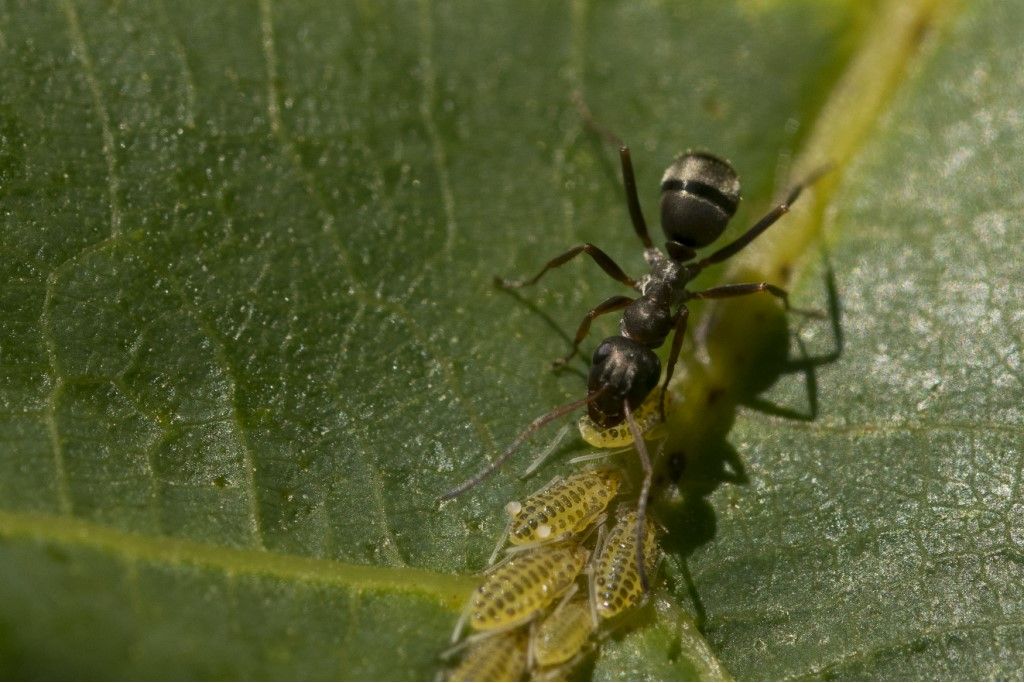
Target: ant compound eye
{"x": 601, "y": 353}
{"x": 699, "y": 194}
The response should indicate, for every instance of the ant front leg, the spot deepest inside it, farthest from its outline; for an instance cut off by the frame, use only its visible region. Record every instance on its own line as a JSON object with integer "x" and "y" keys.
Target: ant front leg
{"x": 677, "y": 345}
{"x": 729, "y": 291}
{"x": 602, "y": 259}
{"x": 614, "y": 303}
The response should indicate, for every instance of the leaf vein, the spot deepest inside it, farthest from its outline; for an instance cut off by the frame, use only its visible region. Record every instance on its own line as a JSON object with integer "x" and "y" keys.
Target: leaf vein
{"x": 81, "y": 50}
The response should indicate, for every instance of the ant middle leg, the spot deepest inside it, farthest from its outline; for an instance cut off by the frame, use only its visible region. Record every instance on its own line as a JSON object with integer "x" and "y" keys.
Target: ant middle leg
{"x": 602, "y": 259}
{"x": 729, "y": 291}
{"x": 614, "y": 303}
{"x": 677, "y": 346}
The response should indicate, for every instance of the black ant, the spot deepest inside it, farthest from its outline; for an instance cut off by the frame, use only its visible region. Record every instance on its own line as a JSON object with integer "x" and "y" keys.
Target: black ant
{"x": 699, "y": 195}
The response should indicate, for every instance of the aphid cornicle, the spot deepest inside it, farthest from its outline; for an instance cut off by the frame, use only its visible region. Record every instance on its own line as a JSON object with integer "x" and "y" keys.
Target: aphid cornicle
{"x": 501, "y": 657}
{"x": 564, "y": 507}
{"x": 561, "y": 635}
{"x": 516, "y": 590}
{"x": 615, "y": 582}
{"x": 699, "y": 195}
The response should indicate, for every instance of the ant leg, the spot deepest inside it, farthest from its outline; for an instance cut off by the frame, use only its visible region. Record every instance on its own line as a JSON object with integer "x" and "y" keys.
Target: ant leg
{"x": 673, "y": 355}
{"x": 602, "y": 259}
{"x": 728, "y": 291}
{"x": 614, "y": 303}
{"x": 645, "y": 493}
{"x": 766, "y": 222}
{"x": 628, "y": 178}
{"x": 518, "y": 441}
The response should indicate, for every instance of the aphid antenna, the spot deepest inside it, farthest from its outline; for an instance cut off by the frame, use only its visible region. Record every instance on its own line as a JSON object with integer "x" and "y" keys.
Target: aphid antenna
{"x": 518, "y": 441}
{"x": 546, "y": 452}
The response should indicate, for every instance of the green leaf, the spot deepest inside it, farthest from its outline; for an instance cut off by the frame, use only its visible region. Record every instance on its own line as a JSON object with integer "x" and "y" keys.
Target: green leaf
{"x": 248, "y": 333}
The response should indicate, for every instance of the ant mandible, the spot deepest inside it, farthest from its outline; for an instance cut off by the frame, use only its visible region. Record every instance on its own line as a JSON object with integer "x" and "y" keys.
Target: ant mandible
{"x": 699, "y": 195}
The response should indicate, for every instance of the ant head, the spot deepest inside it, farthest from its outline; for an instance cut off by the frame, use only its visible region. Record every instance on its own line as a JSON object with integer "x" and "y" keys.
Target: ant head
{"x": 699, "y": 194}
{"x": 627, "y": 371}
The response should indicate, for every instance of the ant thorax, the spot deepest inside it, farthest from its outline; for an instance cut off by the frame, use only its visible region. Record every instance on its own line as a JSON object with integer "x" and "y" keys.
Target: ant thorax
{"x": 665, "y": 274}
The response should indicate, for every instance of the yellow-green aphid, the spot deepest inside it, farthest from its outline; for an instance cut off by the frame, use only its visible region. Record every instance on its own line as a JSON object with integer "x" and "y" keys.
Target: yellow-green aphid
{"x": 517, "y": 590}
{"x": 647, "y": 417}
{"x": 564, "y": 507}
{"x": 615, "y": 581}
{"x": 561, "y": 635}
{"x": 501, "y": 657}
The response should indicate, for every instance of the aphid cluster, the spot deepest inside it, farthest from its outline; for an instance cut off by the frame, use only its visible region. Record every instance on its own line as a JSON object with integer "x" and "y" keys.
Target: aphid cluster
{"x": 527, "y": 616}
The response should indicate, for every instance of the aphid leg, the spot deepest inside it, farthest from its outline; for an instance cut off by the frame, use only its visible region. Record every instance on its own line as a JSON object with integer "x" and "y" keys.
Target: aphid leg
{"x": 501, "y": 543}
{"x": 602, "y": 259}
{"x": 530, "y": 657}
{"x": 518, "y": 441}
{"x": 490, "y": 633}
{"x": 766, "y": 222}
{"x": 591, "y": 587}
{"x": 498, "y": 565}
{"x": 677, "y": 345}
{"x": 645, "y": 492}
{"x": 565, "y": 598}
{"x": 613, "y": 303}
{"x": 546, "y": 453}
{"x": 595, "y": 519}
{"x": 628, "y": 177}
{"x": 595, "y": 524}
{"x": 461, "y": 623}
{"x": 599, "y": 455}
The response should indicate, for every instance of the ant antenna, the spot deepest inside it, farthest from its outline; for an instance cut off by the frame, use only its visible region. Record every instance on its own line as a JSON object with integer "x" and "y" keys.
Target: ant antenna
{"x": 518, "y": 441}
{"x": 591, "y": 122}
{"x": 645, "y": 493}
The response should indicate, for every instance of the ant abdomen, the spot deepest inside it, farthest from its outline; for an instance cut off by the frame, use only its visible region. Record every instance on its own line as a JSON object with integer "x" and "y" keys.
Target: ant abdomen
{"x": 699, "y": 195}
{"x": 624, "y": 371}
